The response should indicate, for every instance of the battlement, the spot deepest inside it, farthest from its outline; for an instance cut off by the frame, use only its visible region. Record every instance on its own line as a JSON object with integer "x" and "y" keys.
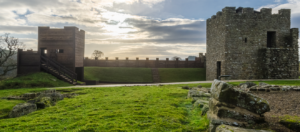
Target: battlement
{"x": 27, "y": 51}
{"x": 264, "y": 12}
{"x": 65, "y": 27}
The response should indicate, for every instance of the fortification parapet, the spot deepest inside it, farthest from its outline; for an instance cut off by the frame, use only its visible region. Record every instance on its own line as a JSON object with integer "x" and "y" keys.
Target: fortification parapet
{"x": 239, "y": 13}
{"x": 247, "y": 10}
{"x": 219, "y": 14}
{"x": 228, "y": 10}
{"x": 284, "y": 12}
{"x": 266, "y": 11}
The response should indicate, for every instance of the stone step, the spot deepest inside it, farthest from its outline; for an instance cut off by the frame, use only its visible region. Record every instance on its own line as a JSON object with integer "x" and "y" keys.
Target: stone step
{"x": 155, "y": 75}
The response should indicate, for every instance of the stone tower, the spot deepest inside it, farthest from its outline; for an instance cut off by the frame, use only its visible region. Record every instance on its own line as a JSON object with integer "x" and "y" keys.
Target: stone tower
{"x": 248, "y": 44}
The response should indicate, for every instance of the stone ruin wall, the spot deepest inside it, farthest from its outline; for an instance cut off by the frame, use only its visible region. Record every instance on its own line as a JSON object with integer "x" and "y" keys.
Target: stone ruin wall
{"x": 215, "y": 39}
{"x": 235, "y": 38}
{"x": 281, "y": 63}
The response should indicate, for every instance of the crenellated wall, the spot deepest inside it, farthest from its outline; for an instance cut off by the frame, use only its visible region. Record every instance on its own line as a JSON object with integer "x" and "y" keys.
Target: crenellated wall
{"x": 198, "y": 63}
{"x": 235, "y": 37}
{"x": 70, "y": 40}
{"x": 28, "y": 62}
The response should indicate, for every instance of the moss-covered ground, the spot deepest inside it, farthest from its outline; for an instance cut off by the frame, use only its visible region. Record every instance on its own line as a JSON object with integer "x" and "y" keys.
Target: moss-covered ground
{"x": 34, "y": 80}
{"x": 182, "y": 74}
{"x": 136, "y": 108}
{"x": 118, "y": 74}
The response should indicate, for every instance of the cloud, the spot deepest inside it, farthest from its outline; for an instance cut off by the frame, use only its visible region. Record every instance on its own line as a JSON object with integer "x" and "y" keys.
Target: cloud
{"x": 18, "y": 29}
{"x": 166, "y": 31}
{"x": 156, "y": 50}
{"x": 294, "y": 5}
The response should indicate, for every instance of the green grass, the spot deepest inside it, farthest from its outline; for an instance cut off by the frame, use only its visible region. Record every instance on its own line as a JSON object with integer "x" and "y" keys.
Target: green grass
{"x": 7, "y": 105}
{"x": 137, "y": 108}
{"x": 278, "y": 82}
{"x": 34, "y": 80}
{"x": 182, "y": 74}
{"x": 116, "y": 74}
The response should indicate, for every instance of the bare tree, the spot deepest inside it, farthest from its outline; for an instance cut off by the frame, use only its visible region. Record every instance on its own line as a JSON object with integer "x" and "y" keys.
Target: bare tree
{"x": 8, "y": 48}
{"x": 97, "y": 54}
{"x": 175, "y": 57}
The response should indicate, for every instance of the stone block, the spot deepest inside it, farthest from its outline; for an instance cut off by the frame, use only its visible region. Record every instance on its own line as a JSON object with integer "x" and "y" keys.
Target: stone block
{"x": 22, "y": 109}
{"x": 226, "y": 128}
{"x": 223, "y": 93}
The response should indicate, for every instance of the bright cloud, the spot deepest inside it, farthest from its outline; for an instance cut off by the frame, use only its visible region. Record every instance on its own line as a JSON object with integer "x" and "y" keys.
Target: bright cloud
{"x": 142, "y": 28}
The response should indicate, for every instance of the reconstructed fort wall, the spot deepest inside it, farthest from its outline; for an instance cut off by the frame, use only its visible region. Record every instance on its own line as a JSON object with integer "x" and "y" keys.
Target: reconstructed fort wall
{"x": 28, "y": 62}
{"x": 69, "y": 39}
{"x": 198, "y": 63}
{"x": 236, "y": 36}
{"x": 66, "y": 46}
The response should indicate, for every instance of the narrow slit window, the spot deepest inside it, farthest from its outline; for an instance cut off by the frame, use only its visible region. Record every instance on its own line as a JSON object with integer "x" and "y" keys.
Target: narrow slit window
{"x": 245, "y": 40}
{"x": 60, "y": 51}
{"x": 271, "y": 39}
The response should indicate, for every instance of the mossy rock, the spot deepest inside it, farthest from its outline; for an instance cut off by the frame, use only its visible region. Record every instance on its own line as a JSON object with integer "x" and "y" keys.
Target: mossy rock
{"x": 204, "y": 109}
{"x": 227, "y": 128}
{"x": 200, "y": 103}
{"x": 44, "y": 102}
{"x": 222, "y": 92}
{"x": 291, "y": 122}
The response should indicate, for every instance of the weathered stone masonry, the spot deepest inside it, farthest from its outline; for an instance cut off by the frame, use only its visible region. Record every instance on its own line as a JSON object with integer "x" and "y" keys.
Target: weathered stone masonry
{"x": 251, "y": 44}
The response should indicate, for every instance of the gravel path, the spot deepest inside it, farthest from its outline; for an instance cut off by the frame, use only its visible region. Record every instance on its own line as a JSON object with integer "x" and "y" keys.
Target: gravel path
{"x": 281, "y": 103}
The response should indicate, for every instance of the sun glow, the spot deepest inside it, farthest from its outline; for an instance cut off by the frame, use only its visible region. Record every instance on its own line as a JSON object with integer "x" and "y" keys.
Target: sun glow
{"x": 115, "y": 25}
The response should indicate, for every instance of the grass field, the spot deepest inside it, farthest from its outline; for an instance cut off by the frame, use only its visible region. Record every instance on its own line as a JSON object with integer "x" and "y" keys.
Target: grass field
{"x": 111, "y": 74}
{"x": 35, "y": 80}
{"x": 138, "y": 108}
{"x": 182, "y": 74}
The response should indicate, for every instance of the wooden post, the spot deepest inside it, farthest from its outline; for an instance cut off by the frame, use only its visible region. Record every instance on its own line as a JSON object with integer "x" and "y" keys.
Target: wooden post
{"x": 167, "y": 61}
{"x": 126, "y": 63}
{"x": 147, "y": 62}
{"x": 176, "y": 63}
{"x": 137, "y": 62}
{"x": 186, "y": 62}
{"x": 157, "y": 63}
{"x": 106, "y": 61}
{"x": 117, "y": 61}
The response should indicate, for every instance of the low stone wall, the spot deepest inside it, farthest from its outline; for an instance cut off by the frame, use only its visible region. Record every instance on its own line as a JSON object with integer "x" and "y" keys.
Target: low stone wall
{"x": 198, "y": 63}
{"x": 281, "y": 63}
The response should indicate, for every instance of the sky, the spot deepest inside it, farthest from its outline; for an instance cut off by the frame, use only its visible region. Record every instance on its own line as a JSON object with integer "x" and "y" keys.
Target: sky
{"x": 128, "y": 28}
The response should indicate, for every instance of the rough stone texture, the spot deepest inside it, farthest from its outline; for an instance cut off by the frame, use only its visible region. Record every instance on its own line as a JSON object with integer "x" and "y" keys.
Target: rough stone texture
{"x": 185, "y": 87}
{"x": 226, "y": 128}
{"x": 44, "y": 102}
{"x": 234, "y": 107}
{"x": 247, "y": 84}
{"x": 200, "y": 103}
{"x": 262, "y": 84}
{"x": 223, "y": 93}
{"x": 281, "y": 63}
{"x": 195, "y": 93}
{"x": 199, "y": 94}
{"x": 238, "y": 39}
{"x": 204, "y": 110}
{"x": 291, "y": 125}
{"x": 22, "y": 109}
